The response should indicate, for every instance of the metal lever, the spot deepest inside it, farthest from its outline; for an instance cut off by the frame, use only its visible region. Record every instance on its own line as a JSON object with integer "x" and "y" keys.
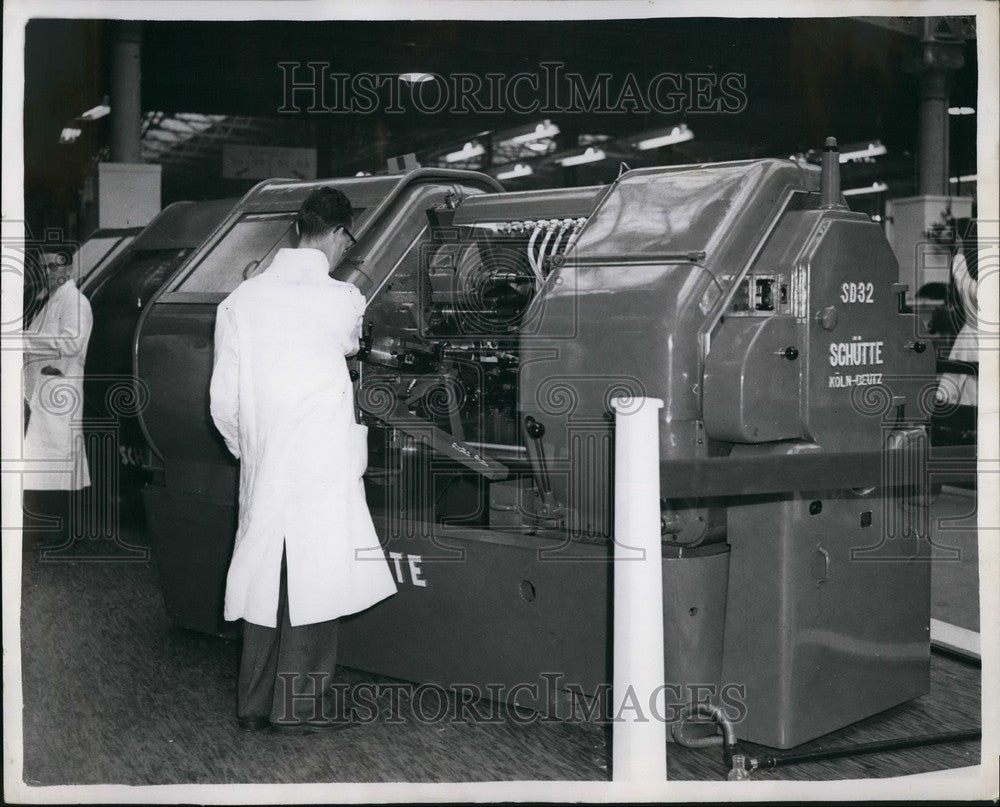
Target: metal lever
{"x": 440, "y": 441}
{"x": 536, "y": 454}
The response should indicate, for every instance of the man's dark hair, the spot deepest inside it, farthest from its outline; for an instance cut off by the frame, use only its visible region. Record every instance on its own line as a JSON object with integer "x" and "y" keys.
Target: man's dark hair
{"x": 323, "y": 210}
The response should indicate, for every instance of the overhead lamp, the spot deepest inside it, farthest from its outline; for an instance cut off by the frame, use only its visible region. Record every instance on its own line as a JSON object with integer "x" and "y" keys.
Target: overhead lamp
{"x": 541, "y": 131}
{"x": 71, "y": 131}
{"x": 363, "y": 174}
{"x": 416, "y": 78}
{"x": 519, "y": 170}
{"x": 591, "y": 155}
{"x": 97, "y": 112}
{"x": 467, "y": 152}
{"x": 676, "y": 135}
{"x": 874, "y": 149}
{"x": 875, "y": 187}
{"x": 961, "y": 110}
{"x": 538, "y": 146}
{"x": 965, "y": 178}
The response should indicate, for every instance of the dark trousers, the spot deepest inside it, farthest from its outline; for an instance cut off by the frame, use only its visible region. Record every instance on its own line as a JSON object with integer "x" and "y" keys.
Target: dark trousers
{"x": 284, "y": 671}
{"x": 46, "y": 519}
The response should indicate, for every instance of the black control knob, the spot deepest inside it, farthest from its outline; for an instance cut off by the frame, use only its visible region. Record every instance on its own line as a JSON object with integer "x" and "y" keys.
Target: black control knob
{"x": 791, "y": 353}
{"x": 535, "y": 430}
{"x": 919, "y": 347}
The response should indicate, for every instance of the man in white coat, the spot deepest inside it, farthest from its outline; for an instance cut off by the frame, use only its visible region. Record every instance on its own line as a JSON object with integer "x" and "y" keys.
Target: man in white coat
{"x": 55, "y": 346}
{"x": 306, "y": 551}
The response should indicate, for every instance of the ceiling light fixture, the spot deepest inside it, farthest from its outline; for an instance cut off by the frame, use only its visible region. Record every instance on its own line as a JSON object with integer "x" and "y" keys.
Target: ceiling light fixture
{"x": 541, "y": 131}
{"x": 874, "y": 149}
{"x": 97, "y": 112}
{"x": 676, "y": 135}
{"x": 469, "y": 151}
{"x": 591, "y": 155}
{"x": 519, "y": 170}
{"x": 875, "y": 187}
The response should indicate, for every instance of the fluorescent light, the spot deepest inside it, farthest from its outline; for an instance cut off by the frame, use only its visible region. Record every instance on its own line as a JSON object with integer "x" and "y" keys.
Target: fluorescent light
{"x": 874, "y": 149}
{"x": 961, "y": 110}
{"x": 591, "y": 155}
{"x": 467, "y": 153}
{"x": 362, "y": 174}
{"x": 519, "y": 170}
{"x": 544, "y": 129}
{"x": 875, "y": 187}
{"x": 96, "y": 112}
{"x": 69, "y": 134}
{"x": 966, "y": 178}
{"x": 676, "y": 135}
{"x": 416, "y": 78}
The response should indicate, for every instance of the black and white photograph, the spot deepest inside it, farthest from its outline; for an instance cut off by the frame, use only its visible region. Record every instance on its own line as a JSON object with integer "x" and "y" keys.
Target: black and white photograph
{"x": 545, "y": 401}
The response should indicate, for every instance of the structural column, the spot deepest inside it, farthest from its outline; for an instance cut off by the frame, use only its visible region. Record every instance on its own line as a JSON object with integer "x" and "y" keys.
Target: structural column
{"x": 126, "y": 104}
{"x": 940, "y": 54}
{"x": 934, "y": 132}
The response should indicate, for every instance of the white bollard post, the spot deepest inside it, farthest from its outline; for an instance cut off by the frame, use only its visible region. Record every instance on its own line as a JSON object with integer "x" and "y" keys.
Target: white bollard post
{"x": 639, "y": 739}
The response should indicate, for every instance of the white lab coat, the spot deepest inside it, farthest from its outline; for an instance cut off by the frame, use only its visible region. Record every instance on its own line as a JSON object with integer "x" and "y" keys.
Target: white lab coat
{"x": 57, "y": 340}
{"x": 282, "y": 399}
{"x": 958, "y": 388}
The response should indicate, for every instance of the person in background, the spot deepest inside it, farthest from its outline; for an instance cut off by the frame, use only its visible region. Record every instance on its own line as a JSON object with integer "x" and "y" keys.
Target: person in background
{"x": 955, "y": 388}
{"x": 306, "y": 550}
{"x": 55, "y": 346}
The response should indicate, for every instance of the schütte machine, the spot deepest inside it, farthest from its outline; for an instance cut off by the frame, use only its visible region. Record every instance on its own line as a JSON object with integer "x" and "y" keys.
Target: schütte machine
{"x": 745, "y": 295}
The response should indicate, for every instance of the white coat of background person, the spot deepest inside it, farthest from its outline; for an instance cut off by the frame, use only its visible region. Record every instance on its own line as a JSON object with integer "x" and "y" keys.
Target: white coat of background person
{"x": 55, "y": 347}
{"x": 282, "y": 399}
{"x": 961, "y": 389}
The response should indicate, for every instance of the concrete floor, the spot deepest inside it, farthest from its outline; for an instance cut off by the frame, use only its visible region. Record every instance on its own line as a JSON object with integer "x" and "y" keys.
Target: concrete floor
{"x": 113, "y": 694}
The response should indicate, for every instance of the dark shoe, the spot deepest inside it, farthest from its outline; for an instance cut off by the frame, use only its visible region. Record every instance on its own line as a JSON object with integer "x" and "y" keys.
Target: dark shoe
{"x": 253, "y": 723}
{"x": 318, "y": 727}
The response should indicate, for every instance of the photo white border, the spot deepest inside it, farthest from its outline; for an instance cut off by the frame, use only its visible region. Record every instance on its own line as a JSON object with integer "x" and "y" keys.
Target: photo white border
{"x": 978, "y": 782}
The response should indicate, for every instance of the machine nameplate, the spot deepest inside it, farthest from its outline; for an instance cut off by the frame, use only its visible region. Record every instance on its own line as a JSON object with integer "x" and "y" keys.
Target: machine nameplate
{"x": 856, "y": 380}
{"x": 406, "y": 568}
{"x": 854, "y": 353}
{"x": 857, "y": 292}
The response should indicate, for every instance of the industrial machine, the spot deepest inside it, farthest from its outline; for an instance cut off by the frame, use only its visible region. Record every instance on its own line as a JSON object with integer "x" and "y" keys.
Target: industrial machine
{"x": 745, "y": 295}
{"x": 118, "y": 290}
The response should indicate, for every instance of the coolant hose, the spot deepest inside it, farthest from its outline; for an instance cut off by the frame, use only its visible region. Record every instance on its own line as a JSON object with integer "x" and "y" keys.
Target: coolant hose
{"x": 531, "y": 256}
{"x": 727, "y": 740}
{"x": 858, "y": 749}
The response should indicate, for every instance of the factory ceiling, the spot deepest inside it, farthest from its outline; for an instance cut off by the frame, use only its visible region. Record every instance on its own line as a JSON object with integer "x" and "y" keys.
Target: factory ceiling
{"x": 742, "y": 87}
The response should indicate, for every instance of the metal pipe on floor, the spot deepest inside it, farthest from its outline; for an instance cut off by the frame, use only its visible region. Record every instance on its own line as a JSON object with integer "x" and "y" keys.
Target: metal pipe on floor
{"x": 877, "y": 747}
{"x": 639, "y": 735}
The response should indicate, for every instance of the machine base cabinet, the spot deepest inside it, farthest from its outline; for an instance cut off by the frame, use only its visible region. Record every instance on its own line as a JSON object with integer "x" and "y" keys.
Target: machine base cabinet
{"x": 828, "y": 617}
{"x": 192, "y": 540}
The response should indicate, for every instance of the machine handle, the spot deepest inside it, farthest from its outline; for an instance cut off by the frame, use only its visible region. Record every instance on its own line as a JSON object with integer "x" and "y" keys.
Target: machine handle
{"x": 536, "y": 454}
